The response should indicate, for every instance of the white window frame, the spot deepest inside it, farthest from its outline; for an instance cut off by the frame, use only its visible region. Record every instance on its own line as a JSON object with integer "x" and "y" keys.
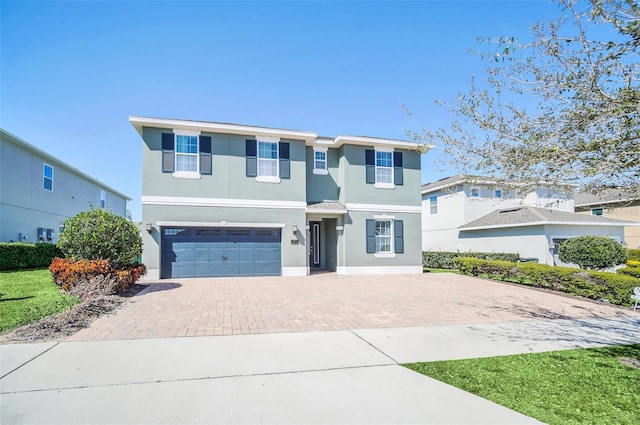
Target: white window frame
{"x": 103, "y": 199}
{"x": 471, "y": 189}
{"x": 378, "y": 184}
{"x": 186, "y": 174}
{"x": 263, "y": 178}
{"x": 601, "y": 209}
{"x": 391, "y": 253}
{"x": 498, "y": 193}
{"x": 45, "y": 178}
{"x": 316, "y": 170}
{"x": 433, "y": 204}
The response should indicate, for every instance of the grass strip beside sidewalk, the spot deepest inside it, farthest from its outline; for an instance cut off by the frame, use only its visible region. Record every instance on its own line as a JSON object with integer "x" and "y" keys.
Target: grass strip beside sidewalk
{"x": 597, "y": 386}
{"x": 29, "y": 295}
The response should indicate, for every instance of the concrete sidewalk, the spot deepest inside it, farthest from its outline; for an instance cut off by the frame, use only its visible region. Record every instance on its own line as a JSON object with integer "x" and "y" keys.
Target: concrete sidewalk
{"x": 304, "y": 377}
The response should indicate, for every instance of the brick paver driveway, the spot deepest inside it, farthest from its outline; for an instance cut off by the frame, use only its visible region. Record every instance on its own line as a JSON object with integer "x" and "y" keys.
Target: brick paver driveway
{"x": 225, "y": 306}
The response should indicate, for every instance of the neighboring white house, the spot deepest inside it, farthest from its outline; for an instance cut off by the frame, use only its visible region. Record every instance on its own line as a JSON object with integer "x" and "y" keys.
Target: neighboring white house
{"x": 38, "y": 192}
{"x": 463, "y": 213}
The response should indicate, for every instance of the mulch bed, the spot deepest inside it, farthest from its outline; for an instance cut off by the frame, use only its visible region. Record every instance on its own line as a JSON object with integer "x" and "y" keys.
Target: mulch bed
{"x": 64, "y": 324}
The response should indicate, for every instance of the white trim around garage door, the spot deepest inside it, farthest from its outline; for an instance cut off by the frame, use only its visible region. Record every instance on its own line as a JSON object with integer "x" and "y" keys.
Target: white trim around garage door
{"x": 365, "y": 270}
{"x": 218, "y": 224}
{"x": 222, "y": 202}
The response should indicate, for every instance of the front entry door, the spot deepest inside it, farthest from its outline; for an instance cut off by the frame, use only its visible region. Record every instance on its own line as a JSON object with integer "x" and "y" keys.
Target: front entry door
{"x": 314, "y": 245}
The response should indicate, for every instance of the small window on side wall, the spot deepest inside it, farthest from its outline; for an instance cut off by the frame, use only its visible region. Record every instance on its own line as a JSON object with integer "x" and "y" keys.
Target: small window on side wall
{"x": 433, "y": 204}
{"x": 597, "y": 211}
{"x": 103, "y": 199}
{"x": 475, "y": 192}
{"x": 47, "y": 177}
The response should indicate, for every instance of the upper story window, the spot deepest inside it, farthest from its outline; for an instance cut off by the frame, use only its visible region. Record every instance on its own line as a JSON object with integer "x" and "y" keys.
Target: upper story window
{"x": 475, "y": 192}
{"x": 186, "y": 154}
{"x": 433, "y": 204}
{"x": 103, "y": 199}
{"x": 384, "y": 168}
{"x": 597, "y": 211}
{"x": 497, "y": 193}
{"x": 47, "y": 177}
{"x": 267, "y": 159}
{"x": 320, "y": 161}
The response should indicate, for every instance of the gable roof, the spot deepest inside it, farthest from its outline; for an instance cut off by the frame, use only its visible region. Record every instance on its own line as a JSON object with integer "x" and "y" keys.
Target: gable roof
{"x": 609, "y": 196}
{"x": 52, "y": 160}
{"x": 310, "y": 138}
{"x": 452, "y": 181}
{"x": 535, "y": 216}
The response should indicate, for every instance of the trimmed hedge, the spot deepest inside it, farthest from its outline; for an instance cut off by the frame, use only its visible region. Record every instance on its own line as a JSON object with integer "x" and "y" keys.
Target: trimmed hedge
{"x": 21, "y": 256}
{"x": 630, "y": 271}
{"x": 444, "y": 259}
{"x": 615, "y": 288}
{"x": 633, "y": 254}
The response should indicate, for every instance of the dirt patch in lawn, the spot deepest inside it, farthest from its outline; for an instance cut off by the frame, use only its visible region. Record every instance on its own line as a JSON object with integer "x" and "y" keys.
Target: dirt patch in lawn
{"x": 64, "y": 324}
{"x": 631, "y": 362}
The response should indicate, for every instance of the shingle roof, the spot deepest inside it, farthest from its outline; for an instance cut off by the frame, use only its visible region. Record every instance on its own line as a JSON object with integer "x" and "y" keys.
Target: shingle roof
{"x": 533, "y": 216}
{"x": 450, "y": 181}
{"x": 601, "y": 198}
{"x": 326, "y": 207}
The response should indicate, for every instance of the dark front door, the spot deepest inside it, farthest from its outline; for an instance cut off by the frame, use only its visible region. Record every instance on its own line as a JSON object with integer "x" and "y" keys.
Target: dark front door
{"x": 314, "y": 244}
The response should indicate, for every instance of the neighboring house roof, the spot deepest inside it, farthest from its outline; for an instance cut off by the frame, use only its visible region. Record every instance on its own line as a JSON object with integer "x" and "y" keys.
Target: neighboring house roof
{"x": 465, "y": 178}
{"x": 610, "y": 196}
{"x": 534, "y": 216}
{"x": 311, "y": 138}
{"x": 450, "y": 181}
{"x": 52, "y": 160}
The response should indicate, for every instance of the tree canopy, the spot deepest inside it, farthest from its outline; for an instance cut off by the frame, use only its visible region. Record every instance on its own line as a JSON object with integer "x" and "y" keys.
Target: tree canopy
{"x": 561, "y": 108}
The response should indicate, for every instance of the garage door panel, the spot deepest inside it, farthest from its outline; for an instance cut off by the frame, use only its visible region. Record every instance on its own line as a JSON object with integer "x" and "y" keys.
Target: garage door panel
{"x": 196, "y": 252}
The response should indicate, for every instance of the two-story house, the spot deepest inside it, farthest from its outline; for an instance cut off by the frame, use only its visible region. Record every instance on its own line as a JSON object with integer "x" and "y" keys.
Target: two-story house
{"x": 616, "y": 204}
{"x": 470, "y": 213}
{"x": 38, "y": 192}
{"x": 236, "y": 200}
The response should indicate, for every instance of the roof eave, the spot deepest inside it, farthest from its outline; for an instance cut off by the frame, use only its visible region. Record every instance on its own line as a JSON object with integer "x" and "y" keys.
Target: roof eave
{"x": 140, "y": 122}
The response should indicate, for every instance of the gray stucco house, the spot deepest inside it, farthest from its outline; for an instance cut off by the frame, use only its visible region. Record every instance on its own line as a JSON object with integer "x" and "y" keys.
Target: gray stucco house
{"x": 236, "y": 200}
{"x": 38, "y": 192}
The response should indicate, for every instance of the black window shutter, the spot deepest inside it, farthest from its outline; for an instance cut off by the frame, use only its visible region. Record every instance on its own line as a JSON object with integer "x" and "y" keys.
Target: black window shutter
{"x": 398, "y": 236}
{"x": 168, "y": 157}
{"x": 205, "y": 155}
{"x": 285, "y": 166}
{"x": 371, "y": 236}
{"x": 251, "y": 151}
{"x": 397, "y": 169}
{"x": 370, "y": 163}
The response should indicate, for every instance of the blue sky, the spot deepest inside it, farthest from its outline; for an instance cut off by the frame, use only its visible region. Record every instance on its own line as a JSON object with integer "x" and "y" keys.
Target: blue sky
{"x": 73, "y": 72}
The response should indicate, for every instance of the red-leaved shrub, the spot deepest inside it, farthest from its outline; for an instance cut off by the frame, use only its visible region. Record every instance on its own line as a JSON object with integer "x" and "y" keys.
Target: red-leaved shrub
{"x": 91, "y": 278}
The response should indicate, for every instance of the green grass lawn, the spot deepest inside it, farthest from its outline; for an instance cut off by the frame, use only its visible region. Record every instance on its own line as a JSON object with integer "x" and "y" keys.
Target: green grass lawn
{"x": 589, "y": 386}
{"x": 28, "y": 296}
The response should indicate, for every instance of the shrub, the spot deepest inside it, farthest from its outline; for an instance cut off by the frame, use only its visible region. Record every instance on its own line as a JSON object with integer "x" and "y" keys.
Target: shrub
{"x": 616, "y": 288}
{"x": 99, "y": 234}
{"x": 630, "y": 271}
{"x": 91, "y": 278}
{"x": 592, "y": 252}
{"x": 20, "y": 256}
{"x": 444, "y": 259}
{"x": 633, "y": 263}
{"x": 633, "y": 254}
